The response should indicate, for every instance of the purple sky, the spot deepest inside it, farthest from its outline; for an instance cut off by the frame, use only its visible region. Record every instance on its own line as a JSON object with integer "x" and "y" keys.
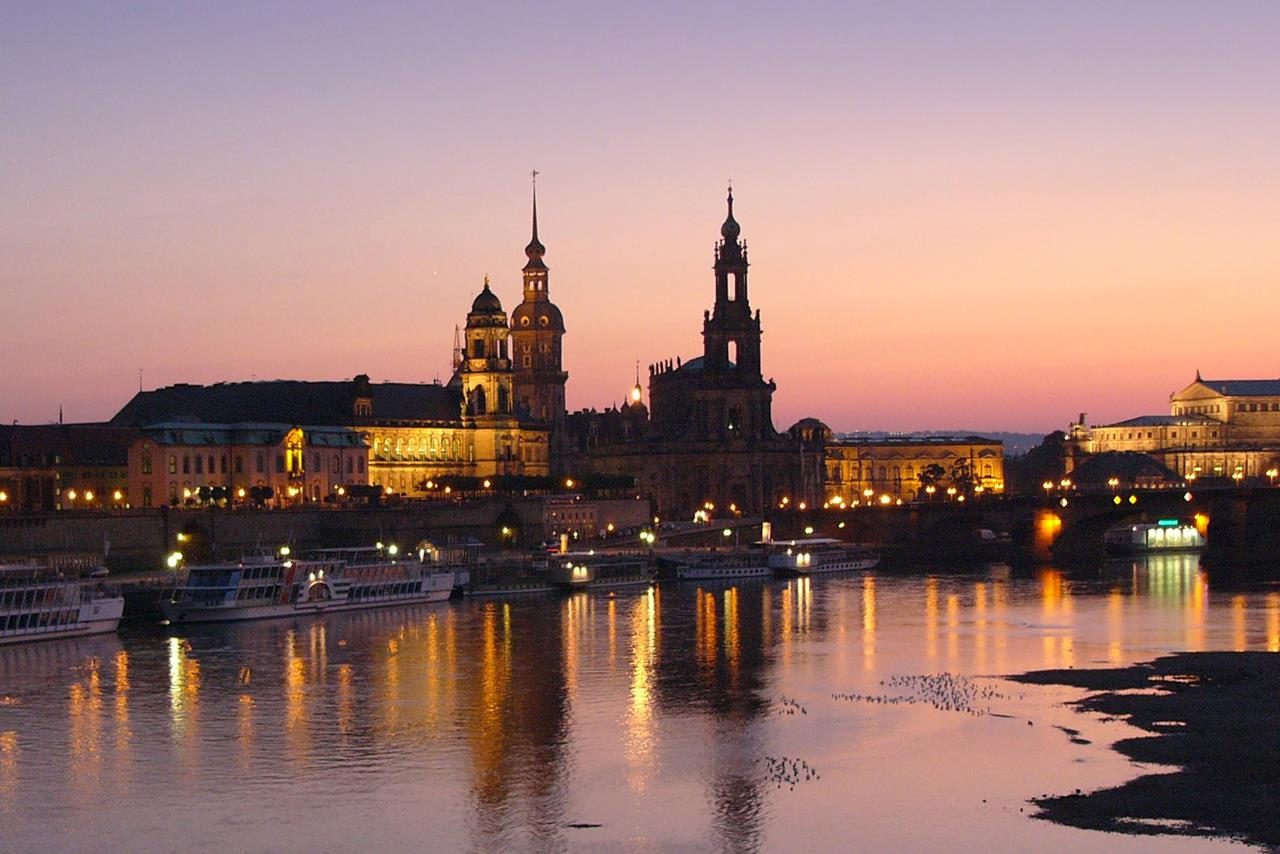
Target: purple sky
{"x": 978, "y": 215}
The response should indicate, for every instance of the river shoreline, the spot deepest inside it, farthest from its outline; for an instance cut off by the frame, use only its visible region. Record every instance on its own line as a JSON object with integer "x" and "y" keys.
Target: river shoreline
{"x": 1212, "y": 717}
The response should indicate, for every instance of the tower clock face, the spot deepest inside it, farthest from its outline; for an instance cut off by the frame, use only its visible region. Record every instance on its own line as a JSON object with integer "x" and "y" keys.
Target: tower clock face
{"x": 543, "y": 320}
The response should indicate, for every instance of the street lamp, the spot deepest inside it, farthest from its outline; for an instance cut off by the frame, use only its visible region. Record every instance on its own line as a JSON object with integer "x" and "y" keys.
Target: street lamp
{"x": 951, "y": 491}
{"x": 930, "y": 490}
{"x": 1113, "y": 482}
{"x": 1271, "y": 475}
{"x": 1048, "y": 486}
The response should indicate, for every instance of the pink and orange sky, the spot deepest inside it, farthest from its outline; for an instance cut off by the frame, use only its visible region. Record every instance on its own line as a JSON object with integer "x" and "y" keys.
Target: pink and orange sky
{"x": 980, "y": 215}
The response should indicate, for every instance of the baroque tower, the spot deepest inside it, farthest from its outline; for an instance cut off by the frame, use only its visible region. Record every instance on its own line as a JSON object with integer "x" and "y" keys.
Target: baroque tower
{"x": 736, "y": 401}
{"x": 484, "y": 366}
{"x": 536, "y": 329}
{"x": 485, "y": 378}
{"x": 730, "y": 334}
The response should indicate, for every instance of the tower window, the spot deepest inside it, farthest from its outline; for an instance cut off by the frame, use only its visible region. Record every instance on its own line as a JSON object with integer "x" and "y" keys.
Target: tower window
{"x": 477, "y": 348}
{"x": 733, "y": 352}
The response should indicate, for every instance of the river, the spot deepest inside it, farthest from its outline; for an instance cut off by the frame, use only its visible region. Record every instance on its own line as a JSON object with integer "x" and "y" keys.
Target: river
{"x": 858, "y": 712}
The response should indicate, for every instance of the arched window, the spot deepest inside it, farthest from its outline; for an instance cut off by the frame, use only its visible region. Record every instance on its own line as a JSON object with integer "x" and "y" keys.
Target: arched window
{"x": 477, "y": 400}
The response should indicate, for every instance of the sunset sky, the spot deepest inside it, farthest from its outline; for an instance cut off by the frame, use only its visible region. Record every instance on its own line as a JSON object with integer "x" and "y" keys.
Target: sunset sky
{"x": 961, "y": 215}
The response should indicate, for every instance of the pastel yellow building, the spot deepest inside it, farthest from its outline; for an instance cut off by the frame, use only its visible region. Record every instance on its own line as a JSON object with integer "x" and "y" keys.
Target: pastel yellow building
{"x": 1214, "y": 429}
{"x": 862, "y": 470}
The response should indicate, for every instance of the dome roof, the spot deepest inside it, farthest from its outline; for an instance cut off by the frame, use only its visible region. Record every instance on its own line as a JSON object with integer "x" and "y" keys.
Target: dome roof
{"x": 487, "y": 301}
{"x": 537, "y": 315}
{"x": 730, "y": 230}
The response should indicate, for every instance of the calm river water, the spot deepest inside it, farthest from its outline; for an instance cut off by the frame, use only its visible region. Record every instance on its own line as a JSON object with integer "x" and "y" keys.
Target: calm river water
{"x": 659, "y": 717}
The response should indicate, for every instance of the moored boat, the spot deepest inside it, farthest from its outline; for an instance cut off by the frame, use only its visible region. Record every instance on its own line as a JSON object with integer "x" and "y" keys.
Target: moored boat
{"x": 1166, "y": 535}
{"x": 260, "y": 587}
{"x": 593, "y": 571}
{"x": 819, "y": 554}
{"x": 37, "y": 603}
{"x": 718, "y": 564}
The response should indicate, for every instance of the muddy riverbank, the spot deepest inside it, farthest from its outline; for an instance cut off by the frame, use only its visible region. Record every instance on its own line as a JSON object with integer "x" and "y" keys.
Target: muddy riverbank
{"x": 1213, "y": 717}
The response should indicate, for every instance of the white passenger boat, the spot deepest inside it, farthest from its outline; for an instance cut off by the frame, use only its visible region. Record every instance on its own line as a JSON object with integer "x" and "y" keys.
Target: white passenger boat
{"x": 1166, "y": 535}
{"x": 37, "y": 603}
{"x": 261, "y": 587}
{"x": 819, "y": 554}
{"x": 718, "y": 565}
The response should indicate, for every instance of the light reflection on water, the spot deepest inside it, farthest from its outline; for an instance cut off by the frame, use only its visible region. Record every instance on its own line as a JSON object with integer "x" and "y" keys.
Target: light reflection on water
{"x": 497, "y": 724}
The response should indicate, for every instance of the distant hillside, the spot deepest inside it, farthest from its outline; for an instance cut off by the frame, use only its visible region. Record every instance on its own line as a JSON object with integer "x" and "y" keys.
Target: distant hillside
{"x": 1014, "y": 443}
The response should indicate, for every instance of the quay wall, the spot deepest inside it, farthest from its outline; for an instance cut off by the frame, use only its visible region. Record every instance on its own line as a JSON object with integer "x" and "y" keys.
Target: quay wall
{"x": 140, "y": 539}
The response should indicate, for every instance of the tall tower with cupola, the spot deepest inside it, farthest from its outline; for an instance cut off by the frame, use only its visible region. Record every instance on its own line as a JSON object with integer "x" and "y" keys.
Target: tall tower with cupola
{"x": 536, "y": 329}
{"x": 730, "y": 333}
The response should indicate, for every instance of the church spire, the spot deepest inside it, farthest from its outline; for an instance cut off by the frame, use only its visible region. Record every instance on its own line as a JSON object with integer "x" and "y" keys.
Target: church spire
{"x": 535, "y": 250}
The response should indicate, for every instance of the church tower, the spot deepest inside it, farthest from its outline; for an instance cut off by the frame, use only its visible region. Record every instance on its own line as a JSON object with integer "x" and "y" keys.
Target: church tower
{"x": 736, "y": 402}
{"x": 536, "y": 329}
{"x": 730, "y": 334}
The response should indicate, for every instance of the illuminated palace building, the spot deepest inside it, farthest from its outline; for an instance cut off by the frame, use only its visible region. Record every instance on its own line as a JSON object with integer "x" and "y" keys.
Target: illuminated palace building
{"x": 501, "y": 413}
{"x": 1214, "y": 429}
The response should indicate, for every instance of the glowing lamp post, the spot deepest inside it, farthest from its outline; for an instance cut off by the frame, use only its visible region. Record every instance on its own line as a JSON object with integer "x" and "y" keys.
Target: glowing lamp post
{"x": 1271, "y": 476}
{"x": 1113, "y": 482}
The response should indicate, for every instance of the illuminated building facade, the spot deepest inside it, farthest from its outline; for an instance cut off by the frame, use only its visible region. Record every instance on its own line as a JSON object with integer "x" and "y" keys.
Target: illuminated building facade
{"x": 181, "y": 463}
{"x": 1214, "y": 429}
{"x": 858, "y": 470}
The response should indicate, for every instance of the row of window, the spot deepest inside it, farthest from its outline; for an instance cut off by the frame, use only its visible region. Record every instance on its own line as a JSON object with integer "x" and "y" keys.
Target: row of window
{"x": 197, "y": 465}
{"x": 1119, "y": 436}
{"x": 412, "y": 449}
{"x": 897, "y": 473}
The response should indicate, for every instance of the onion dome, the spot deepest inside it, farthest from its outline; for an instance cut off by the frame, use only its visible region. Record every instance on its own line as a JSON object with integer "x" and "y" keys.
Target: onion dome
{"x": 730, "y": 230}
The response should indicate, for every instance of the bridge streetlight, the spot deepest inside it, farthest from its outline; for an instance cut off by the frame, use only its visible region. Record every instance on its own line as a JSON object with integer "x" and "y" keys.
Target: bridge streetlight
{"x": 1271, "y": 475}
{"x": 1113, "y": 482}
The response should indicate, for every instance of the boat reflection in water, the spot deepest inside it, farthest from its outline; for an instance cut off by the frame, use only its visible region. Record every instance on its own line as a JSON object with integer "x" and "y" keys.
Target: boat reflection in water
{"x": 651, "y": 711}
